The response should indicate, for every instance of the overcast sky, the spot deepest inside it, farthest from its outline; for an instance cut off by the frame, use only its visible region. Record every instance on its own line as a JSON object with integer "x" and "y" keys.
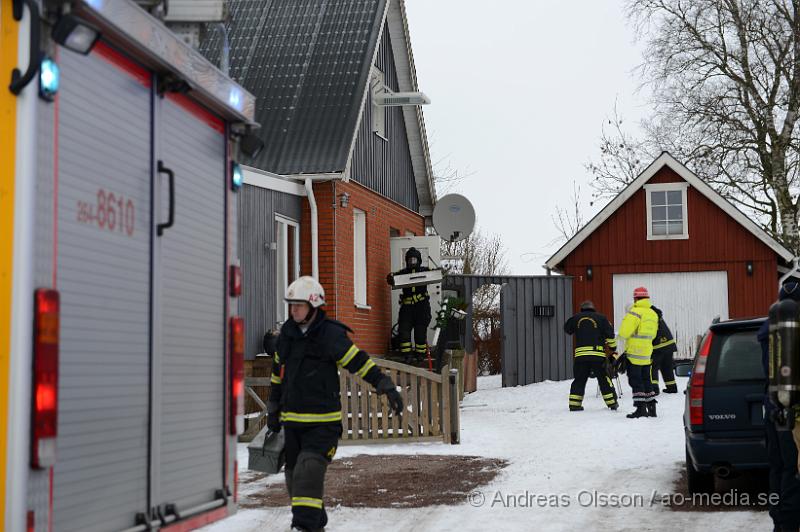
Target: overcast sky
{"x": 519, "y": 91}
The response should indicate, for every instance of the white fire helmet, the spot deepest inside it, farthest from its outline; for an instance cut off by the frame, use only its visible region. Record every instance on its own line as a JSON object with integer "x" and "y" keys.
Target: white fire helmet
{"x": 306, "y": 289}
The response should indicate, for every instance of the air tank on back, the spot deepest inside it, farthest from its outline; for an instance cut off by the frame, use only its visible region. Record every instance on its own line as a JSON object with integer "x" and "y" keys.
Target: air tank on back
{"x": 784, "y": 359}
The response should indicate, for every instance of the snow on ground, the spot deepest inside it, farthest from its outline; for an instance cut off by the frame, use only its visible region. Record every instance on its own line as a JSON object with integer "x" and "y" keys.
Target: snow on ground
{"x": 587, "y": 470}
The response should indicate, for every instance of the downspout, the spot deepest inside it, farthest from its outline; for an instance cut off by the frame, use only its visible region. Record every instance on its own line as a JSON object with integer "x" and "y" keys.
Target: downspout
{"x": 312, "y": 203}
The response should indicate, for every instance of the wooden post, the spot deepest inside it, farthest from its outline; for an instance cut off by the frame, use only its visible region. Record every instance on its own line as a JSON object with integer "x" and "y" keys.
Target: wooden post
{"x": 446, "y": 404}
{"x": 455, "y": 412}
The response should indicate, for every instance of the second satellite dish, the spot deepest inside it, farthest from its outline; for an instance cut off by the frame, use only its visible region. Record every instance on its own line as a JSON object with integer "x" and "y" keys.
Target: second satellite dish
{"x": 453, "y": 217}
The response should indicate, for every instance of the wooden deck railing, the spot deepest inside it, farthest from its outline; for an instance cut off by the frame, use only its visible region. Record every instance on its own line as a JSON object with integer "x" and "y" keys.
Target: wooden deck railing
{"x": 430, "y": 399}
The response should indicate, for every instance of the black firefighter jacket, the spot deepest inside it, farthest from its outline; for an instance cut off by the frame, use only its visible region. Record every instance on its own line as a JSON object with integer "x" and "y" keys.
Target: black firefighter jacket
{"x": 305, "y": 376}
{"x": 592, "y": 333}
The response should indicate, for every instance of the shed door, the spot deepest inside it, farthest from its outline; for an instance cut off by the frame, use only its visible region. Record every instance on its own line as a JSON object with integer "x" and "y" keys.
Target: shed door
{"x": 189, "y": 296}
{"x": 103, "y": 274}
{"x": 689, "y": 300}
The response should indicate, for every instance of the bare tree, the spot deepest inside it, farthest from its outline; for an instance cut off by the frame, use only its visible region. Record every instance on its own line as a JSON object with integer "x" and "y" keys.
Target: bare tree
{"x": 480, "y": 254}
{"x": 569, "y": 220}
{"x": 623, "y": 156}
{"x": 725, "y": 76}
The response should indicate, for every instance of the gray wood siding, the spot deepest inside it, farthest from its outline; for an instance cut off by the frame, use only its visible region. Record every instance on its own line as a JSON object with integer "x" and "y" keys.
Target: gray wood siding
{"x": 384, "y": 165}
{"x": 257, "y": 210}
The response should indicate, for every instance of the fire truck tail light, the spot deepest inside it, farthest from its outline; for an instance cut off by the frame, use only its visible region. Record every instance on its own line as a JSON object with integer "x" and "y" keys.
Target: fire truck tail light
{"x": 44, "y": 412}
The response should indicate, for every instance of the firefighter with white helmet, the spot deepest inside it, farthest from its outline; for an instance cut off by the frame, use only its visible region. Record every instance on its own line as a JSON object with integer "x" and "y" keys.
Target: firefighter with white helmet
{"x": 639, "y": 328}
{"x": 304, "y": 399}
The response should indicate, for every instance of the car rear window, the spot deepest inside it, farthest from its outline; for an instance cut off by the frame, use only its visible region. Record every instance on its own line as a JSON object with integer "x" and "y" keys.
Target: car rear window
{"x": 735, "y": 357}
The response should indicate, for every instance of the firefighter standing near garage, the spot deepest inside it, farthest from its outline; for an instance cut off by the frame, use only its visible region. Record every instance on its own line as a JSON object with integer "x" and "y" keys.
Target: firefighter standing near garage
{"x": 639, "y": 328}
{"x": 415, "y": 308}
{"x": 593, "y": 333}
{"x": 304, "y": 399}
{"x": 662, "y": 360}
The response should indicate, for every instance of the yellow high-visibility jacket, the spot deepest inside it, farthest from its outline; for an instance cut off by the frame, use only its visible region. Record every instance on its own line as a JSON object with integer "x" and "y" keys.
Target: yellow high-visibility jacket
{"x": 639, "y": 327}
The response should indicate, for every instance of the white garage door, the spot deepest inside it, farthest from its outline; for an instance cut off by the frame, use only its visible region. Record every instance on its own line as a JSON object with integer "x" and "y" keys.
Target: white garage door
{"x": 689, "y": 300}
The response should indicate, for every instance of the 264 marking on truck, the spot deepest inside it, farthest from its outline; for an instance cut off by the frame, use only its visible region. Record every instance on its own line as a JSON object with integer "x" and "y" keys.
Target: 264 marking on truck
{"x": 109, "y": 211}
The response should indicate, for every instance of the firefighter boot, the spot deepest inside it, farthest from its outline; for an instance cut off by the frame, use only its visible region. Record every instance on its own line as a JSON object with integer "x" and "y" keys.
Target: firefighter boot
{"x": 641, "y": 411}
{"x": 651, "y": 408}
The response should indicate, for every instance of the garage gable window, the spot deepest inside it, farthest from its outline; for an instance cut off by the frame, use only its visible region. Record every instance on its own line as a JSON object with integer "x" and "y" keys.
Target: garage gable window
{"x": 666, "y": 211}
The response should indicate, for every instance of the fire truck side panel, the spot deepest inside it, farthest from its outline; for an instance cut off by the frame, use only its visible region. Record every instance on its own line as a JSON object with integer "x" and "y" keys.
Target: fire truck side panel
{"x": 191, "y": 295}
{"x": 103, "y": 275}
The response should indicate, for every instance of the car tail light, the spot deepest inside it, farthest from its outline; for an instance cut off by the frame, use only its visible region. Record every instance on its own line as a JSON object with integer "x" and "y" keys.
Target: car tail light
{"x": 44, "y": 411}
{"x": 31, "y": 522}
{"x": 698, "y": 381}
{"x": 237, "y": 375}
{"x": 236, "y": 280}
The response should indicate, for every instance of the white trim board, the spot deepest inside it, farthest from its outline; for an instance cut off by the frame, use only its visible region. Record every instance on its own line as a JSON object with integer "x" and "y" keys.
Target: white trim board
{"x": 665, "y": 159}
{"x": 259, "y": 178}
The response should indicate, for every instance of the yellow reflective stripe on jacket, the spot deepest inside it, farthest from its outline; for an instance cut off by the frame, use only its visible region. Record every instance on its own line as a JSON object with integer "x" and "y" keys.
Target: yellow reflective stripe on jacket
{"x": 348, "y": 356}
{"x": 307, "y": 501}
{"x": 275, "y": 379}
{"x": 277, "y": 358}
{"x": 302, "y": 417}
{"x": 665, "y": 344}
{"x": 368, "y": 365}
{"x": 590, "y": 353}
{"x": 416, "y": 298}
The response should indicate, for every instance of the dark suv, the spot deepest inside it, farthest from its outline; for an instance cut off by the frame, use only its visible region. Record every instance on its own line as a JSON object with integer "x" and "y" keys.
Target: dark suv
{"x": 724, "y": 420}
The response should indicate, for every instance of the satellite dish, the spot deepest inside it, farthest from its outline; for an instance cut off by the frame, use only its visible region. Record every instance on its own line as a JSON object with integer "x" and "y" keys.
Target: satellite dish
{"x": 453, "y": 217}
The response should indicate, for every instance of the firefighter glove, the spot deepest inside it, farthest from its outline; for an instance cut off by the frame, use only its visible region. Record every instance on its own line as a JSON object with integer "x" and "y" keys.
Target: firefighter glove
{"x": 274, "y": 416}
{"x": 387, "y": 387}
{"x": 390, "y": 279}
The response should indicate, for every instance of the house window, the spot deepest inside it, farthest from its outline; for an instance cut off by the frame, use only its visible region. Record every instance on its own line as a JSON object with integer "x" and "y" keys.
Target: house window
{"x": 666, "y": 211}
{"x": 378, "y": 112}
{"x": 360, "y": 257}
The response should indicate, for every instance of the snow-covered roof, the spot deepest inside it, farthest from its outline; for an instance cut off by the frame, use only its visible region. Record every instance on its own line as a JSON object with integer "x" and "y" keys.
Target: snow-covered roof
{"x": 665, "y": 159}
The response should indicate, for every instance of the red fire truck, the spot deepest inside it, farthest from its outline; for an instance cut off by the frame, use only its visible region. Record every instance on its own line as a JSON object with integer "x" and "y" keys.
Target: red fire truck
{"x": 121, "y": 359}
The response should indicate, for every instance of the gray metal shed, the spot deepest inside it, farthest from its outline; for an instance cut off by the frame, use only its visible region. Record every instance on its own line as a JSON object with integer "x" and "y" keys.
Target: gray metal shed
{"x": 533, "y": 311}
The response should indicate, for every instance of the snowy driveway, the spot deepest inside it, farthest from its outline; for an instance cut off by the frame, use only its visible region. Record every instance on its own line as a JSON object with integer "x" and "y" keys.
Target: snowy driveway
{"x": 591, "y": 470}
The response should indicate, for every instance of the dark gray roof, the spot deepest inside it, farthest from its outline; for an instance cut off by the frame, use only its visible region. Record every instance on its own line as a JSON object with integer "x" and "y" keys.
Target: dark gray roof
{"x": 307, "y": 63}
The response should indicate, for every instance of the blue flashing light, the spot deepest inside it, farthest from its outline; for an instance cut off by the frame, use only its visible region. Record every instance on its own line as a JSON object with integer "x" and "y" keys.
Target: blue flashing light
{"x": 235, "y": 98}
{"x": 49, "y": 79}
{"x": 237, "y": 177}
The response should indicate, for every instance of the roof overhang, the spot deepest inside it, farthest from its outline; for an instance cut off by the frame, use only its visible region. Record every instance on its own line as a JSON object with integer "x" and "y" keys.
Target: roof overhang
{"x": 397, "y": 25}
{"x": 665, "y": 159}
{"x": 130, "y": 26}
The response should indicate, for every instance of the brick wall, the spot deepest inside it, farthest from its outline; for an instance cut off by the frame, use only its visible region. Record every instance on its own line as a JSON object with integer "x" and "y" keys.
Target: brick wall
{"x": 372, "y": 326}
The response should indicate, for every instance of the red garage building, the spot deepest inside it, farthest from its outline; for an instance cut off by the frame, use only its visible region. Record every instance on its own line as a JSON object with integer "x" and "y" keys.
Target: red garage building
{"x": 699, "y": 256}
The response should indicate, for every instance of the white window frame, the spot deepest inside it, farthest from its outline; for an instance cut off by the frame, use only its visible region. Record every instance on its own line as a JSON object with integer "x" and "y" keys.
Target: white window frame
{"x": 360, "y": 259}
{"x": 667, "y": 187}
{"x": 282, "y": 267}
{"x": 378, "y": 86}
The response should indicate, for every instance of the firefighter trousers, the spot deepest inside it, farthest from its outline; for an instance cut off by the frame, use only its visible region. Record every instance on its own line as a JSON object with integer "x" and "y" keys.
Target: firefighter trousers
{"x": 309, "y": 450}
{"x": 663, "y": 361}
{"x": 416, "y": 317}
{"x": 587, "y": 366}
{"x": 639, "y": 380}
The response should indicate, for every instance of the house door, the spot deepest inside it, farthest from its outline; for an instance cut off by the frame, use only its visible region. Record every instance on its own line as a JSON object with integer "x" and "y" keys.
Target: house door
{"x": 287, "y": 262}
{"x": 689, "y": 300}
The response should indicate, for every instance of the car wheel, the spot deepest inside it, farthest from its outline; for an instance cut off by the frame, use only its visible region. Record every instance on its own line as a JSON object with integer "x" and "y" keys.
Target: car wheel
{"x": 698, "y": 482}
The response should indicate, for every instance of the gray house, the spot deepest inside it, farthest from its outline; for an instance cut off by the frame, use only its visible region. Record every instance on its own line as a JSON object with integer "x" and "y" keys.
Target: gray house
{"x": 345, "y": 164}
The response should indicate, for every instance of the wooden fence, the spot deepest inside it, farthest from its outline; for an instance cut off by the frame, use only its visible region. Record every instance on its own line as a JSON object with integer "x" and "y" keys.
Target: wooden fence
{"x": 431, "y": 407}
{"x": 430, "y": 399}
